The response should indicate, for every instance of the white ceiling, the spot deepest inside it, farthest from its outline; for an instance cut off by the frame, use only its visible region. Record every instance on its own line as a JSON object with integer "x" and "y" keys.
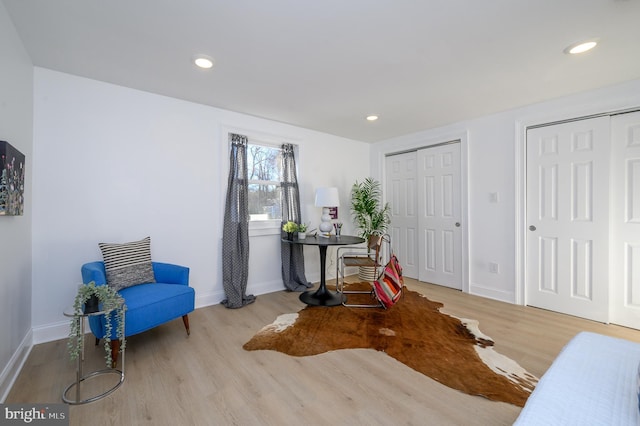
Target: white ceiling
{"x": 325, "y": 65}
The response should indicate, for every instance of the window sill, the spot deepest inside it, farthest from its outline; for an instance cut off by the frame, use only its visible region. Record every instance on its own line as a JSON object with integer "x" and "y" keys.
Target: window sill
{"x": 261, "y": 228}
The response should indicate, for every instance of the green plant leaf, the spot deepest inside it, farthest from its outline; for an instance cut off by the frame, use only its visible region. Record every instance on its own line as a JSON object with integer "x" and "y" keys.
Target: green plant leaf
{"x": 369, "y": 215}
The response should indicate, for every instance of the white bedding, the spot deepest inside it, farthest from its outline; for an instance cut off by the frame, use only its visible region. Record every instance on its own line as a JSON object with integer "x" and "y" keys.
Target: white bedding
{"x": 594, "y": 381}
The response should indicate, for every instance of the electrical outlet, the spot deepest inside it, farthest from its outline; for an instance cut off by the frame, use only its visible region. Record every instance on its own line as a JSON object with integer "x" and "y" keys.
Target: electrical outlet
{"x": 494, "y": 197}
{"x": 494, "y": 268}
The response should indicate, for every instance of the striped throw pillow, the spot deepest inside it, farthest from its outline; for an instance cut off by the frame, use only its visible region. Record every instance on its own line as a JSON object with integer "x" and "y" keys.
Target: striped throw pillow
{"x": 128, "y": 264}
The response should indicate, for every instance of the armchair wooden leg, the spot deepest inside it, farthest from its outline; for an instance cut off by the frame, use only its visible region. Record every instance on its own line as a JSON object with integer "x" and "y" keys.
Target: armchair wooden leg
{"x": 115, "y": 349}
{"x": 97, "y": 341}
{"x": 185, "y": 320}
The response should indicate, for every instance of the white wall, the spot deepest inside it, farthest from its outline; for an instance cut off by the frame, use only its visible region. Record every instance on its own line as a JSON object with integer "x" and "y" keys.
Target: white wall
{"x": 114, "y": 164}
{"x": 495, "y": 162}
{"x": 16, "y": 115}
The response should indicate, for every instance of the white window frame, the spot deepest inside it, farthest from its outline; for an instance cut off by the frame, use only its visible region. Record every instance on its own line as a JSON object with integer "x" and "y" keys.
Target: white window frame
{"x": 268, "y": 226}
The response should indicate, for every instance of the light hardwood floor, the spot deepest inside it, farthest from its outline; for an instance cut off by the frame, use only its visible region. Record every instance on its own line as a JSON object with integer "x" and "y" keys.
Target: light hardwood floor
{"x": 208, "y": 379}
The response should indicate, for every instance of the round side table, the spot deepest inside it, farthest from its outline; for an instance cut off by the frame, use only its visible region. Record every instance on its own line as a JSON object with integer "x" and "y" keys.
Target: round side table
{"x": 80, "y": 377}
{"x": 322, "y": 296}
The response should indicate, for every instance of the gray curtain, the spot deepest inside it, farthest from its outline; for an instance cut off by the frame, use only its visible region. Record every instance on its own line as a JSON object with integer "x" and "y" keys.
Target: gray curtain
{"x": 293, "y": 275}
{"x": 235, "y": 233}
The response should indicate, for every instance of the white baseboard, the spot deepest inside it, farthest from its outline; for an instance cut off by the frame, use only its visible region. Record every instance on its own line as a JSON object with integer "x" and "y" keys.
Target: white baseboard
{"x": 11, "y": 371}
{"x": 265, "y": 287}
{"x": 208, "y": 299}
{"x": 214, "y": 298}
{"x": 490, "y": 293}
{"x": 50, "y": 332}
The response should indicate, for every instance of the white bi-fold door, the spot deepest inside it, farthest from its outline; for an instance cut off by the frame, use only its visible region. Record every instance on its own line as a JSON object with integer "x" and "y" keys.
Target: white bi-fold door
{"x": 401, "y": 188}
{"x": 439, "y": 215}
{"x": 424, "y": 189}
{"x": 568, "y": 218}
{"x": 625, "y": 220}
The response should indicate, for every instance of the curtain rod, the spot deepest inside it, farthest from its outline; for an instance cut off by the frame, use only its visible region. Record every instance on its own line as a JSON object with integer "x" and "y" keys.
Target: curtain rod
{"x": 586, "y": 117}
{"x": 422, "y": 147}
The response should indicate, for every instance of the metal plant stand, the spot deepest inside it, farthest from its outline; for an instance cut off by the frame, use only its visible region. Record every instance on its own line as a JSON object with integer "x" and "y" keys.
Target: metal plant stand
{"x": 80, "y": 377}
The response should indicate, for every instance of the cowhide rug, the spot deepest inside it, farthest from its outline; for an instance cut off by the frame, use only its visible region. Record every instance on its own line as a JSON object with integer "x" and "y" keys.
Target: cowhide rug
{"x": 450, "y": 350}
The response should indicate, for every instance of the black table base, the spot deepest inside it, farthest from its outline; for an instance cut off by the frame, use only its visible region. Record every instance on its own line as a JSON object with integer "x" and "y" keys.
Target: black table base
{"x": 322, "y": 296}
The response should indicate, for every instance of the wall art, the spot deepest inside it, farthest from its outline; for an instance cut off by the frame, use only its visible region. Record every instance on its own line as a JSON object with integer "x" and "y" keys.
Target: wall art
{"x": 12, "y": 173}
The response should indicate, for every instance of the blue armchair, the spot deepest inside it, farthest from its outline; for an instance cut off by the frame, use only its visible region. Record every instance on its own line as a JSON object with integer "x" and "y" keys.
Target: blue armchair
{"x": 148, "y": 305}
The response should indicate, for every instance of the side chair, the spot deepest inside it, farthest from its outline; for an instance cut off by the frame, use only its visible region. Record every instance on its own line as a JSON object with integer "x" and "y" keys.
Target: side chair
{"x": 369, "y": 256}
{"x": 148, "y": 304}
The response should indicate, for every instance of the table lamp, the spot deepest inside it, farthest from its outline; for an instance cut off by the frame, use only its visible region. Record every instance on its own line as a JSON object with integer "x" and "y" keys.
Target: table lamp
{"x": 326, "y": 197}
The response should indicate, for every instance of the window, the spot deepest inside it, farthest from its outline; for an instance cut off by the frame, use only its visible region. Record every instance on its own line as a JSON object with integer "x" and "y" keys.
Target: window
{"x": 263, "y": 165}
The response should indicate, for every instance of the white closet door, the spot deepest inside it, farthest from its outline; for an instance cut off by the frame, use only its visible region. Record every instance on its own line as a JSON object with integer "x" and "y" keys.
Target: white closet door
{"x": 625, "y": 219}
{"x": 439, "y": 220}
{"x": 401, "y": 184}
{"x": 567, "y": 218}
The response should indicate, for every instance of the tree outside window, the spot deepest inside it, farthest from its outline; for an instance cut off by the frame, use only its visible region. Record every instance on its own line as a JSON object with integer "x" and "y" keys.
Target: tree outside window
{"x": 263, "y": 166}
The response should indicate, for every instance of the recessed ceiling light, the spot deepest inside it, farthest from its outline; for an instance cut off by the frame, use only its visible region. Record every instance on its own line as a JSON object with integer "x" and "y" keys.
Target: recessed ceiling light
{"x": 372, "y": 117}
{"x": 203, "y": 61}
{"x": 581, "y": 47}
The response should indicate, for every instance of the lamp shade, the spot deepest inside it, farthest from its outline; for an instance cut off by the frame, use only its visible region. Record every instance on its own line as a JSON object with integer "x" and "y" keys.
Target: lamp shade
{"x": 327, "y": 197}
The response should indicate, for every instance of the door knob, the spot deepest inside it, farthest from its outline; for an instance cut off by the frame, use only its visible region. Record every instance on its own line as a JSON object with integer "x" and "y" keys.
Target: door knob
{"x": 457, "y": 224}
{"x": 532, "y": 228}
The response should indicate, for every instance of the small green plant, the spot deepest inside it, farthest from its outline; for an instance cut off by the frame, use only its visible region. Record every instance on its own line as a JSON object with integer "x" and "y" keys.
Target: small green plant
{"x": 109, "y": 300}
{"x": 290, "y": 227}
{"x": 302, "y": 227}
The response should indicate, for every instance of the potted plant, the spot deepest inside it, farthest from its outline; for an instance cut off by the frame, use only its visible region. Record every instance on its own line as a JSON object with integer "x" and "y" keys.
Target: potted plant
{"x": 290, "y": 228}
{"x": 302, "y": 231}
{"x": 371, "y": 217}
{"x": 85, "y": 301}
